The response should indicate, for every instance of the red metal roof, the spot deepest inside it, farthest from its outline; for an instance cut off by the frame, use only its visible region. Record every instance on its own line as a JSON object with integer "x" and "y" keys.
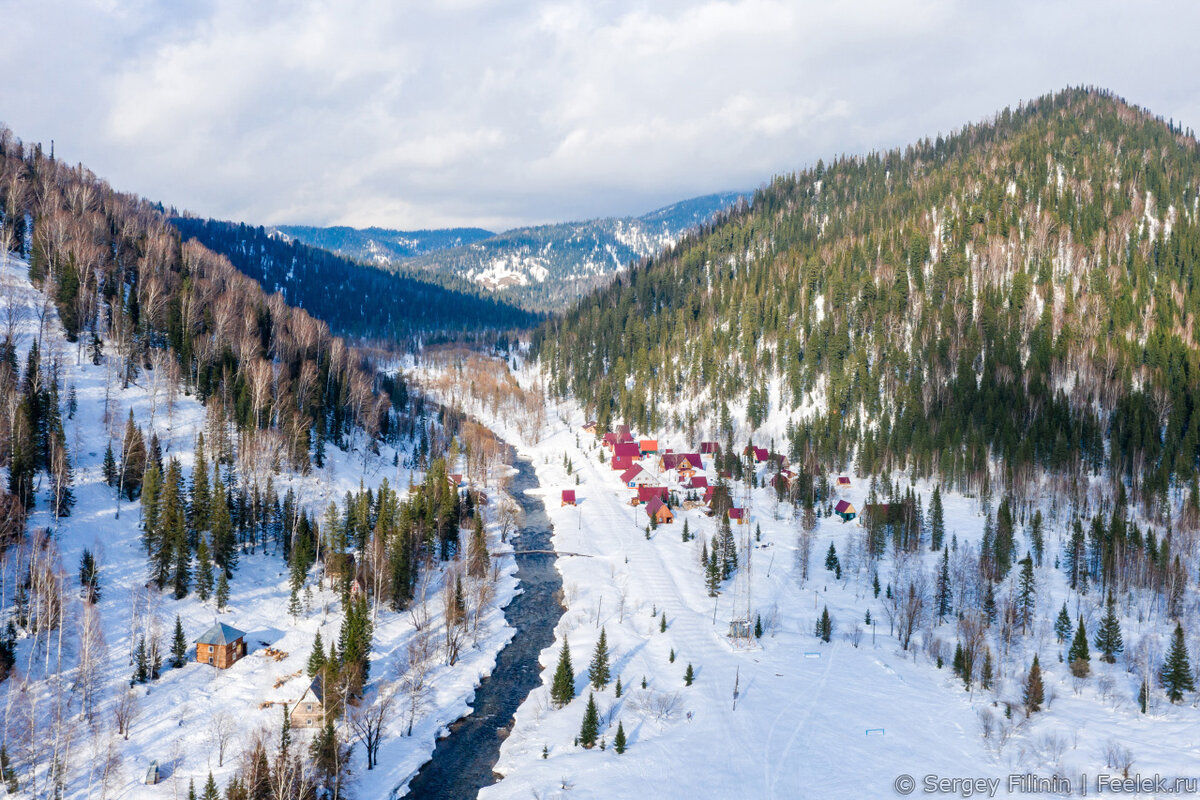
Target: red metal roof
{"x": 647, "y": 493}
{"x": 568, "y": 496}
{"x": 627, "y": 449}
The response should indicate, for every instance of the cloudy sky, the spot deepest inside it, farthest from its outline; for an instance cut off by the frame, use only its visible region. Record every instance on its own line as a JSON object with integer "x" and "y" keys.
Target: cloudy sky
{"x": 469, "y": 112}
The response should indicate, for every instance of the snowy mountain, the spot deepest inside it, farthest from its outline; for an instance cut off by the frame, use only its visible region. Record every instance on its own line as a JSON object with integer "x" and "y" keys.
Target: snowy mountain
{"x": 544, "y": 267}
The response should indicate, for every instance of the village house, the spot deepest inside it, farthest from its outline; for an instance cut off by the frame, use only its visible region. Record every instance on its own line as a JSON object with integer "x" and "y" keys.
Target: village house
{"x": 221, "y": 645}
{"x": 637, "y": 475}
{"x": 844, "y": 510}
{"x": 455, "y": 479}
{"x": 309, "y": 710}
{"x": 737, "y": 515}
{"x": 686, "y": 465}
{"x": 760, "y": 454}
{"x": 709, "y": 448}
{"x": 568, "y": 497}
{"x": 648, "y": 446}
{"x": 843, "y": 482}
{"x": 590, "y": 427}
{"x": 657, "y": 510}
{"x": 624, "y": 435}
{"x": 628, "y": 450}
{"x": 610, "y": 440}
{"x": 647, "y": 493}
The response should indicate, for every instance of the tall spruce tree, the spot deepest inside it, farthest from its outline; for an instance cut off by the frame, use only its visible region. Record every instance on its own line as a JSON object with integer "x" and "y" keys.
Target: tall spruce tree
{"x": 937, "y": 520}
{"x": 1108, "y": 640}
{"x": 1078, "y": 657}
{"x": 589, "y": 730}
{"x": 598, "y": 671}
{"x": 1026, "y": 594}
{"x": 943, "y": 589}
{"x": 1034, "y": 693}
{"x": 1176, "y": 673}
{"x": 562, "y": 690}
{"x": 1062, "y": 624}
{"x": 179, "y": 645}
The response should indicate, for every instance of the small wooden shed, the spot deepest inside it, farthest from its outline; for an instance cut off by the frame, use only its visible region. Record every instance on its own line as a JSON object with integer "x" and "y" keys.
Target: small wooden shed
{"x": 568, "y": 497}
{"x": 844, "y": 510}
{"x": 309, "y": 711}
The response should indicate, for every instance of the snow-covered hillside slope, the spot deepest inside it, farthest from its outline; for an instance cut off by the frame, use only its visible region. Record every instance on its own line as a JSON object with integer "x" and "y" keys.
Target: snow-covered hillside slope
{"x": 788, "y": 715}
{"x": 177, "y": 715}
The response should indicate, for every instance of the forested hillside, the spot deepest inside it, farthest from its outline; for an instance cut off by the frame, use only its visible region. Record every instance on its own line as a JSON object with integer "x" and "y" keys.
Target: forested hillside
{"x": 1025, "y": 289}
{"x": 354, "y": 299}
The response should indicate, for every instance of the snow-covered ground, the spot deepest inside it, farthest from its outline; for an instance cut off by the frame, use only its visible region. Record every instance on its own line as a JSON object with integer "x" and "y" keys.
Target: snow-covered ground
{"x": 175, "y": 719}
{"x": 840, "y": 720}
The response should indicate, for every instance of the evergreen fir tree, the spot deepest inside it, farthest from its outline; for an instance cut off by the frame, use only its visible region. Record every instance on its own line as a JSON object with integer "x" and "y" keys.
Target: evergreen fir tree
{"x": 831, "y": 558}
{"x": 959, "y": 662}
{"x": 758, "y": 626}
{"x": 590, "y": 729}
{"x": 110, "y": 466}
{"x": 562, "y": 690}
{"x": 989, "y": 604}
{"x": 712, "y": 572}
{"x": 182, "y": 573}
{"x": 1026, "y": 594}
{"x": 689, "y": 675}
{"x": 987, "y": 672}
{"x": 875, "y": 584}
{"x": 179, "y": 645}
{"x": 89, "y": 579}
{"x": 204, "y": 570}
{"x": 191, "y": 795}
{"x": 1062, "y": 624}
{"x": 619, "y": 690}
{"x": 662, "y": 623}
{"x": 671, "y": 657}
{"x": 1176, "y": 674}
{"x": 943, "y": 589}
{"x": 1037, "y": 539}
{"x": 316, "y": 660}
{"x": 222, "y": 592}
{"x": 141, "y": 662}
{"x": 937, "y": 521}
{"x": 619, "y": 743}
{"x": 824, "y": 629}
{"x": 598, "y": 672}
{"x": 1078, "y": 657}
{"x": 1109, "y": 641}
{"x": 478, "y": 560}
{"x": 1034, "y": 692}
{"x": 1144, "y": 696}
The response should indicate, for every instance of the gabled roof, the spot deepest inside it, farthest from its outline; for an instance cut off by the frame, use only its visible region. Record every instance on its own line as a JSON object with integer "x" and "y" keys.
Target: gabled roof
{"x": 681, "y": 460}
{"x": 698, "y": 482}
{"x": 627, "y": 449}
{"x": 221, "y": 634}
{"x": 647, "y": 493}
{"x": 568, "y": 495}
{"x": 737, "y": 513}
{"x": 610, "y": 438}
{"x": 317, "y": 687}
{"x": 623, "y": 434}
{"x": 709, "y": 448}
{"x": 843, "y": 507}
{"x": 654, "y": 505}
{"x": 843, "y": 480}
{"x": 631, "y": 473}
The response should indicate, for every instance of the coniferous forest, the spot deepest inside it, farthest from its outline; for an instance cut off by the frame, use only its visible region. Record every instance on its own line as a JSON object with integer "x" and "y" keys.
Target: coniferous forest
{"x": 1006, "y": 293}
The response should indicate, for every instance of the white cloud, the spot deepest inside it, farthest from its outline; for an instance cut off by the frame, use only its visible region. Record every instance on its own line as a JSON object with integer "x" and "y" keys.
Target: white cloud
{"x": 498, "y": 113}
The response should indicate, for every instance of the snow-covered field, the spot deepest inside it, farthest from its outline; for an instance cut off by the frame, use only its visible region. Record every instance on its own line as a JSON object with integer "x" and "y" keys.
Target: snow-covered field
{"x": 788, "y": 715}
{"x": 174, "y": 723}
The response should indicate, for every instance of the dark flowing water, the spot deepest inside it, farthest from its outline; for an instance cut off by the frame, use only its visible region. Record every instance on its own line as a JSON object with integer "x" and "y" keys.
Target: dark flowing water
{"x": 462, "y": 762}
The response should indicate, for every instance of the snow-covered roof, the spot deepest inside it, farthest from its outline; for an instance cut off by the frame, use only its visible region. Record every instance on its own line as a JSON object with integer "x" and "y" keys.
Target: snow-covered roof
{"x": 221, "y": 634}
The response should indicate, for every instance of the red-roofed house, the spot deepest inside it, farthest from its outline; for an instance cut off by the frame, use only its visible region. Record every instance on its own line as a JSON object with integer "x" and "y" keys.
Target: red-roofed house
{"x": 843, "y": 482}
{"x": 844, "y": 510}
{"x": 738, "y": 515}
{"x": 629, "y": 449}
{"x": 621, "y": 463}
{"x": 709, "y": 448}
{"x": 697, "y": 482}
{"x": 590, "y": 427}
{"x": 637, "y": 476}
{"x": 686, "y": 464}
{"x": 647, "y": 493}
{"x": 568, "y": 497}
{"x": 657, "y": 510}
{"x": 623, "y": 434}
{"x": 455, "y": 479}
{"x": 760, "y": 453}
{"x": 609, "y": 440}
{"x": 648, "y": 446}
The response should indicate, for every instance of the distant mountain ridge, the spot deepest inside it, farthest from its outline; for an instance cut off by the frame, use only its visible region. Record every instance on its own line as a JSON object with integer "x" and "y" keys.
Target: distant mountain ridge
{"x": 543, "y": 267}
{"x": 382, "y": 245}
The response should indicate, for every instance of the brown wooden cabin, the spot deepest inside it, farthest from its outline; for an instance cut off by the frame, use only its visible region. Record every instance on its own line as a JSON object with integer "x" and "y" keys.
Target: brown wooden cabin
{"x": 221, "y": 645}
{"x": 657, "y": 510}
